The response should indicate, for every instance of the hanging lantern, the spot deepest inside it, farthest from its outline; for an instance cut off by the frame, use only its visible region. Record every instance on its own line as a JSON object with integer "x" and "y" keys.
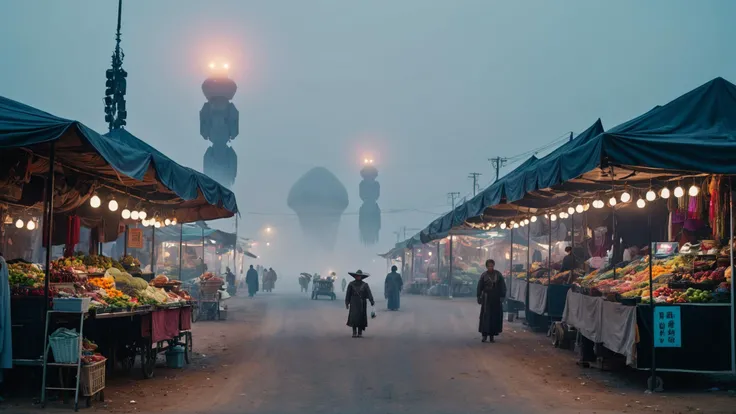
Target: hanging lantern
{"x": 95, "y": 201}
{"x": 665, "y": 193}
{"x": 651, "y": 195}
{"x": 693, "y": 191}
{"x": 125, "y": 214}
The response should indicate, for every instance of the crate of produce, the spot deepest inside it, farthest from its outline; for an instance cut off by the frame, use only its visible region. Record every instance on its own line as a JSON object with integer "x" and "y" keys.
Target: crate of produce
{"x": 72, "y": 304}
{"x": 93, "y": 378}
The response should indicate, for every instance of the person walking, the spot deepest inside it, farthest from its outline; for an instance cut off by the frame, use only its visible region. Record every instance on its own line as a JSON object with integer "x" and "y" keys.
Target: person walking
{"x": 251, "y": 279}
{"x": 272, "y": 279}
{"x": 356, "y": 298}
{"x": 392, "y": 289}
{"x": 344, "y": 283}
{"x": 490, "y": 293}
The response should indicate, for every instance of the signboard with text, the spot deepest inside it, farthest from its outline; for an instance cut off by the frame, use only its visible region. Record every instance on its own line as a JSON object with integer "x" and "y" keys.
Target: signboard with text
{"x": 667, "y": 327}
{"x": 135, "y": 238}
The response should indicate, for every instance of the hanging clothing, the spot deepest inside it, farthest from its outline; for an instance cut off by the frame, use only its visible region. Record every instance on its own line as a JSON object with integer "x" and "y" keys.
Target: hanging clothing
{"x": 6, "y": 340}
{"x": 392, "y": 290}
{"x": 356, "y": 298}
{"x": 491, "y": 291}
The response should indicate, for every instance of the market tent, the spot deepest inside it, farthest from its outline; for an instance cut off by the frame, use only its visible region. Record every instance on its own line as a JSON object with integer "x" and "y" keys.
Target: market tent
{"x": 190, "y": 185}
{"x": 84, "y": 162}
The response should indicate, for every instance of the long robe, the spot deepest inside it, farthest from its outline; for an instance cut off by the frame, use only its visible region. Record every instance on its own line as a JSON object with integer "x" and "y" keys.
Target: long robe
{"x": 251, "y": 279}
{"x": 392, "y": 288}
{"x": 6, "y": 345}
{"x": 357, "y": 297}
{"x": 490, "y": 293}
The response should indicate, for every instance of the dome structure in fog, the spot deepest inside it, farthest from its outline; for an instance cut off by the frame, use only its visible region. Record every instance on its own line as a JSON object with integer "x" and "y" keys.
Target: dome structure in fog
{"x": 319, "y": 199}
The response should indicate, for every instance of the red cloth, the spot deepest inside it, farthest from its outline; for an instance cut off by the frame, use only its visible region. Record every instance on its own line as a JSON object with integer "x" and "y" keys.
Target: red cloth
{"x": 72, "y": 235}
{"x": 185, "y": 318}
{"x": 162, "y": 325}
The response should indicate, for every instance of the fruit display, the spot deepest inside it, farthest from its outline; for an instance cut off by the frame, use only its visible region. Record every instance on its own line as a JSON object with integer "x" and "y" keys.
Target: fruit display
{"x": 130, "y": 262}
{"x": 25, "y": 275}
{"x": 62, "y": 275}
{"x": 89, "y": 353}
{"x": 105, "y": 282}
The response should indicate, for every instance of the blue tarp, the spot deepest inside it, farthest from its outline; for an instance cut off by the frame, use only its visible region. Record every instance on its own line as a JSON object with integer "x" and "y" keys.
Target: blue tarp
{"x": 695, "y": 133}
{"x": 120, "y": 161}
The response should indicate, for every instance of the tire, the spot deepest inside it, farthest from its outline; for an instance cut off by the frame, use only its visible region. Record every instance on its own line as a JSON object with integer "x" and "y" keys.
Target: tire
{"x": 188, "y": 347}
{"x": 148, "y": 359}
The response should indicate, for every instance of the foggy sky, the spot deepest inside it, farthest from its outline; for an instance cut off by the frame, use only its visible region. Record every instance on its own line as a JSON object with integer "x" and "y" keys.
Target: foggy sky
{"x": 430, "y": 89}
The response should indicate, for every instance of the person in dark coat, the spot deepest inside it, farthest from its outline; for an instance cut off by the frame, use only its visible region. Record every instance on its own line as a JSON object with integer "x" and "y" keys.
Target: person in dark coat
{"x": 392, "y": 289}
{"x": 356, "y": 298}
{"x": 491, "y": 291}
{"x": 251, "y": 279}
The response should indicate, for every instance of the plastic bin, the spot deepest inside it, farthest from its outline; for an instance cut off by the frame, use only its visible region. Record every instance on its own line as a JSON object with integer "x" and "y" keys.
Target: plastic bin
{"x": 93, "y": 378}
{"x": 72, "y": 304}
{"x": 175, "y": 357}
{"x": 65, "y": 350}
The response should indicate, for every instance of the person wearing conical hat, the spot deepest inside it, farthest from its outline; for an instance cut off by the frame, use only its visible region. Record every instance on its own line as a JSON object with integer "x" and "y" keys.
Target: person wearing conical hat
{"x": 356, "y": 299}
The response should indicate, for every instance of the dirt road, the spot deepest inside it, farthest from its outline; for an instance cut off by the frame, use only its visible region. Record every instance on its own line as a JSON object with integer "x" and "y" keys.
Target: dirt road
{"x": 284, "y": 353}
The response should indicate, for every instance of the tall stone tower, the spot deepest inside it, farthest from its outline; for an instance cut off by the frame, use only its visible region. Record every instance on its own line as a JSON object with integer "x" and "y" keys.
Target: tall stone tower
{"x": 219, "y": 124}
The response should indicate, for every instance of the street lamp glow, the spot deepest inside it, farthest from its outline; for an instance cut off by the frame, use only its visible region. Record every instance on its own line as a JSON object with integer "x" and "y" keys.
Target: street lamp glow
{"x": 268, "y": 229}
{"x": 212, "y": 65}
{"x": 268, "y": 243}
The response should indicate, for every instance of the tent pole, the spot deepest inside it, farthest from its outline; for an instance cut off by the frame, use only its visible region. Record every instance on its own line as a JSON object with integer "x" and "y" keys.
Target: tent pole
{"x": 572, "y": 243}
{"x": 153, "y": 250}
{"x": 49, "y": 222}
{"x": 549, "y": 251}
{"x": 438, "y": 264}
{"x": 125, "y": 242}
{"x": 528, "y": 250}
{"x": 181, "y": 244}
{"x": 450, "y": 275}
{"x": 511, "y": 258}
{"x": 203, "y": 269}
{"x": 235, "y": 247}
{"x": 652, "y": 379}
{"x": 730, "y": 241}
{"x": 413, "y": 259}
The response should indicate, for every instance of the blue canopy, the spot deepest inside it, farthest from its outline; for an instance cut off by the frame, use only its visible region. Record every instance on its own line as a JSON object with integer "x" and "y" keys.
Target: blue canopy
{"x": 101, "y": 162}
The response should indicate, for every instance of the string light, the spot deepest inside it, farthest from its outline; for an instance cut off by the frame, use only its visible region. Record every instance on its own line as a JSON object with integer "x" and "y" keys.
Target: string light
{"x": 579, "y": 208}
{"x": 665, "y": 193}
{"x": 145, "y": 223}
{"x": 586, "y": 206}
{"x": 95, "y": 201}
{"x": 521, "y": 223}
{"x": 167, "y": 222}
{"x": 173, "y": 221}
{"x": 612, "y": 200}
{"x": 112, "y": 205}
{"x": 19, "y": 224}
{"x": 533, "y": 219}
{"x": 571, "y": 210}
{"x": 651, "y": 195}
{"x": 157, "y": 224}
{"x": 693, "y": 190}
{"x": 526, "y": 221}
{"x": 142, "y": 214}
{"x": 679, "y": 192}
{"x": 125, "y": 213}
{"x": 598, "y": 204}
{"x": 553, "y": 217}
{"x": 516, "y": 225}
{"x": 641, "y": 203}
{"x": 625, "y": 197}
{"x": 31, "y": 225}
{"x": 503, "y": 226}
{"x": 135, "y": 215}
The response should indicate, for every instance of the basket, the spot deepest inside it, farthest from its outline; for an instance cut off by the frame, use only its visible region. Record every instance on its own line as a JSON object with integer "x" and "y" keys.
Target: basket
{"x": 210, "y": 287}
{"x": 65, "y": 350}
{"x": 72, "y": 304}
{"x": 93, "y": 378}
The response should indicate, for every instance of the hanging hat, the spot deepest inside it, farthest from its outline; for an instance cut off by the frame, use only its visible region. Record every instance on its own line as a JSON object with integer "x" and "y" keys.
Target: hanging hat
{"x": 359, "y": 273}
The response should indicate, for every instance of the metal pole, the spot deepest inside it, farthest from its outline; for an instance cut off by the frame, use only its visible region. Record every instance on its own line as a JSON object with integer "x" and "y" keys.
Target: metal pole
{"x": 153, "y": 250}
{"x": 652, "y": 380}
{"x": 439, "y": 262}
{"x": 450, "y": 281}
{"x": 572, "y": 243}
{"x": 125, "y": 242}
{"x": 549, "y": 264}
{"x": 49, "y": 222}
{"x": 730, "y": 241}
{"x": 511, "y": 259}
{"x": 203, "y": 251}
{"x": 235, "y": 247}
{"x": 413, "y": 259}
{"x": 181, "y": 246}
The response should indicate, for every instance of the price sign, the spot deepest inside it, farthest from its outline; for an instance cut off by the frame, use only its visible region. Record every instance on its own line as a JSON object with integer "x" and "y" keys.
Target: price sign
{"x": 667, "y": 327}
{"x": 135, "y": 238}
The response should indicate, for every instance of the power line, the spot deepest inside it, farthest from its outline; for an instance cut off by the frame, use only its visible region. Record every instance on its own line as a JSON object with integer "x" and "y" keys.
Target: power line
{"x": 497, "y": 163}
{"x": 452, "y": 196}
{"x": 474, "y": 176}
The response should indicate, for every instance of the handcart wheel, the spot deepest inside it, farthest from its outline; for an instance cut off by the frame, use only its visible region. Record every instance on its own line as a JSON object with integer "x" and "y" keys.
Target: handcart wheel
{"x": 148, "y": 360}
{"x": 188, "y": 347}
{"x": 659, "y": 384}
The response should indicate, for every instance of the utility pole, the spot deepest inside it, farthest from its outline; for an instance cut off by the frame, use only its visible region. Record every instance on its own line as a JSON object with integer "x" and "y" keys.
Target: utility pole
{"x": 452, "y": 196}
{"x": 398, "y": 236}
{"x": 497, "y": 163}
{"x": 570, "y": 135}
{"x": 474, "y": 176}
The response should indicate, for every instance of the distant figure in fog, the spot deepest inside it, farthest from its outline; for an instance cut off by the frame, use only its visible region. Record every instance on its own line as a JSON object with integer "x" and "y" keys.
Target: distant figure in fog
{"x": 491, "y": 291}
{"x": 251, "y": 279}
{"x": 356, "y": 298}
{"x": 343, "y": 283}
{"x": 230, "y": 279}
{"x": 392, "y": 289}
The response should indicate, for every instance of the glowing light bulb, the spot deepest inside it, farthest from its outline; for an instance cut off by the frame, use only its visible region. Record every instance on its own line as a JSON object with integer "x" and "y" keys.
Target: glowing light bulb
{"x": 226, "y": 66}
{"x": 173, "y": 221}
{"x": 212, "y": 65}
{"x": 693, "y": 191}
{"x": 145, "y": 223}
{"x": 526, "y": 221}
{"x": 125, "y": 213}
{"x": 167, "y": 222}
{"x": 31, "y": 225}
{"x": 586, "y": 206}
{"x": 19, "y": 224}
{"x": 579, "y": 208}
{"x": 665, "y": 193}
{"x": 598, "y": 204}
{"x": 503, "y": 226}
{"x": 521, "y": 224}
{"x": 553, "y": 217}
{"x": 625, "y": 197}
{"x": 533, "y": 219}
{"x": 679, "y": 192}
{"x": 651, "y": 195}
{"x": 135, "y": 215}
{"x": 95, "y": 201}
{"x": 612, "y": 201}
{"x": 571, "y": 210}
{"x": 157, "y": 225}
{"x": 516, "y": 225}
{"x": 641, "y": 203}
{"x": 113, "y": 205}
{"x": 142, "y": 214}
